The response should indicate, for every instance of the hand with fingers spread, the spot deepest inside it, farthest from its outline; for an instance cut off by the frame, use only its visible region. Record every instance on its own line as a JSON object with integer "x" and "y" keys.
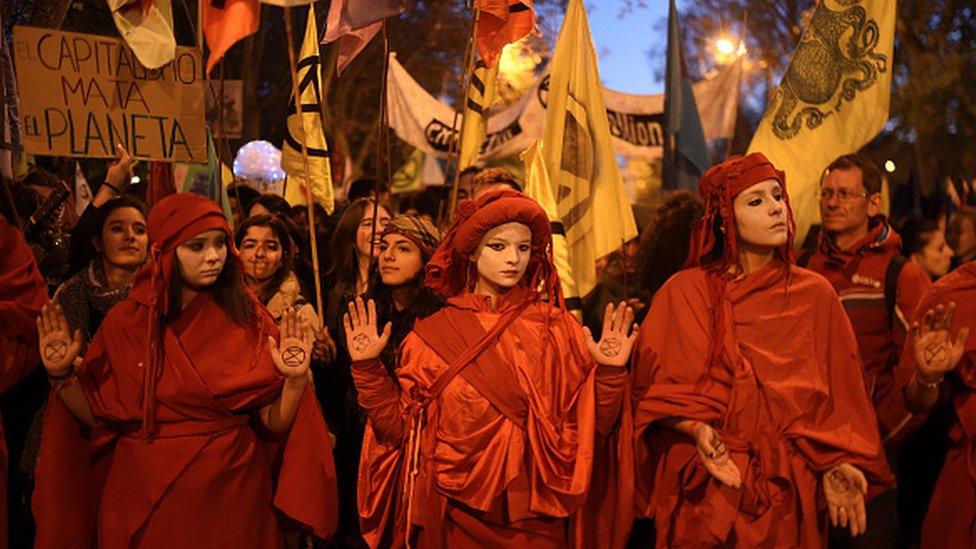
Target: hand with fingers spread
{"x": 617, "y": 339}
{"x": 293, "y": 355}
{"x": 844, "y": 488}
{"x": 715, "y": 455}
{"x": 59, "y": 347}
{"x": 363, "y": 338}
{"x": 936, "y": 353}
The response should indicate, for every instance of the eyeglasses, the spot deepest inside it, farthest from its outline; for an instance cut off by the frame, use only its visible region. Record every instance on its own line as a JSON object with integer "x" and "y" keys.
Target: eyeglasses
{"x": 842, "y": 195}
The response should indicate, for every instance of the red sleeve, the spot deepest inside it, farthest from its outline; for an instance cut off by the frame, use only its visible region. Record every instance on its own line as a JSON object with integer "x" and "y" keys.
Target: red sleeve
{"x": 611, "y": 384}
{"x": 912, "y": 284}
{"x": 380, "y": 398}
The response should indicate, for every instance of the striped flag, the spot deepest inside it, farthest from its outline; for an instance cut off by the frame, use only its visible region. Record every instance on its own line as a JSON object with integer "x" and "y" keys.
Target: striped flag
{"x": 481, "y": 95}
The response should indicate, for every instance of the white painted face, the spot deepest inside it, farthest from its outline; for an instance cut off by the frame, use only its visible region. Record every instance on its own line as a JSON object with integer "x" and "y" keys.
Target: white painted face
{"x": 503, "y": 255}
{"x": 760, "y": 215}
{"x": 202, "y": 257}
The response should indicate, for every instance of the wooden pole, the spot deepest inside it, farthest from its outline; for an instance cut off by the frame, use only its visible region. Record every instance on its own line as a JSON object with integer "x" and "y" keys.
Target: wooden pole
{"x": 308, "y": 187}
{"x": 469, "y": 62}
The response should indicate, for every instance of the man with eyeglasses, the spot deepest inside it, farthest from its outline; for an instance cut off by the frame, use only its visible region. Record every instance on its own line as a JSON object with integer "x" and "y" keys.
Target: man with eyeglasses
{"x": 860, "y": 254}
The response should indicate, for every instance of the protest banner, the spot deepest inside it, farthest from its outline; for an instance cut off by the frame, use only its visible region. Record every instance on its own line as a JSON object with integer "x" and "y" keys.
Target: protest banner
{"x": 81, "y": 94}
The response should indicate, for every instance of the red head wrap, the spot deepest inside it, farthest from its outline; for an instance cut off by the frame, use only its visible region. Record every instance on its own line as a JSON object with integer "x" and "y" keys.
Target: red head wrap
{"x": 172, "y": 221}
{"x": 448, "y": 269}
{"x": 718, "y": 187}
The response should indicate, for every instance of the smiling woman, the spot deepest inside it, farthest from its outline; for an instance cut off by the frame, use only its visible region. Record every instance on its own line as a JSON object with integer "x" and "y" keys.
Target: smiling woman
{"x": 121, "y": 242}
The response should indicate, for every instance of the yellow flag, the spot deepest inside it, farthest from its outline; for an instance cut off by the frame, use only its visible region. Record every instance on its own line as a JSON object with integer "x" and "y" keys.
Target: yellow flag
{"x": 590, "y": 196}
{"x": 538, "y": 187}
{"x": 410, "y": 176}
{"x": 833, "y": 98}
{"x": 310, "y": 90}
{"x": 481, "y": 95}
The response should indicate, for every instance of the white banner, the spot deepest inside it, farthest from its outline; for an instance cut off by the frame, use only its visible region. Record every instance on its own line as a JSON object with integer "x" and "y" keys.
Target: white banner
{"x": 636, "y": 121}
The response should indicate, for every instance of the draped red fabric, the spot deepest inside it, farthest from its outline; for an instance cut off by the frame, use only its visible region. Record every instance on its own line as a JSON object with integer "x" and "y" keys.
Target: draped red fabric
{"x": 785, "y": 393}
{"x": 480, "y": 474}
{"x": 160, "y": 182}
{"x": 22, "y": 294}
{"x": 204, "y": 474}
{"x": 500, "y": 417}
{"x": 951, "y": 518}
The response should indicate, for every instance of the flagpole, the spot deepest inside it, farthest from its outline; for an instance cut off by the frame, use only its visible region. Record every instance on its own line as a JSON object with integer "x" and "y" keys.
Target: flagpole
{"x": 469, "y": 63}
{"x": 308, "y": 176}
{"x": 382, "y": 137}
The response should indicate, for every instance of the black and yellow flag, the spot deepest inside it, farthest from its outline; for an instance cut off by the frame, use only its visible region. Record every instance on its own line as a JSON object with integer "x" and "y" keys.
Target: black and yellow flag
{"x": 481, "y": 95}
{"x": 319, "y": 176}
{"x": 833, "y": 98}
{"x": 579, "y": 156}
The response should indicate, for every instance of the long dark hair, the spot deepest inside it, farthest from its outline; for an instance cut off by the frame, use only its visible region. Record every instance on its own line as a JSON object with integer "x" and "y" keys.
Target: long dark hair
{"x": 229, "y": 291}
{"x": 288, "y": 248}
{"x": 345, "y": 267}
{"x": 664, "y": 243}
{"x": 424, "y": 303}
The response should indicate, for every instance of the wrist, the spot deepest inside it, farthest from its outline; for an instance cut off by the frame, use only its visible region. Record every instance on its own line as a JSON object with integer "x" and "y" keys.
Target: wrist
{"x": 929, "y": 381}
{"x": 296, "y": 382}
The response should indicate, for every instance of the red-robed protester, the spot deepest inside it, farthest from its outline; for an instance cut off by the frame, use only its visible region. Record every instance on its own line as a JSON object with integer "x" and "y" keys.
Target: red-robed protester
{"x": 185, "y": 425}
{"x": 940, "y": 362}
{"x": 751, "y": 416}
{"x": 22, "y": 294}
{"x": 499, "y": 416}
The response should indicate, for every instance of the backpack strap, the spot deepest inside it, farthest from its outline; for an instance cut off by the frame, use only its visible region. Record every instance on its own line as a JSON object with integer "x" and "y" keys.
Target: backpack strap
{"x": 895, "y": 266}
{"x": 805, "y": 257}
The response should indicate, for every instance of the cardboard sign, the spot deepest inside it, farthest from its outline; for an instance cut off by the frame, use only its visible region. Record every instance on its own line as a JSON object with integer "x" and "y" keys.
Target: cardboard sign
{"x": 80, "y": 94}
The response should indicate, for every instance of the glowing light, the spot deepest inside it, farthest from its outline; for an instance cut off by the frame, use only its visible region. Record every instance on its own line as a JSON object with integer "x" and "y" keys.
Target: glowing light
{"x": 135, "y": 180}
{"x": 890, "y": 166}
{"x": 259, "y": 162}
{"x": 724, "y": 46}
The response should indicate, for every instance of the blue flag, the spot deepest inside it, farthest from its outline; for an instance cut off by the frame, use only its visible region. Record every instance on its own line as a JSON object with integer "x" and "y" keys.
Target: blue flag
{"x": 685, "y": 152}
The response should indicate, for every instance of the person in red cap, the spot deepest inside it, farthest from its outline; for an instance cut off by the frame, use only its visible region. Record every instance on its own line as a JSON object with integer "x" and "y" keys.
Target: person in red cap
{"x": 22, "y": 294}
{"x": 202, "y": 429}
{"x": 751, "y": 419}
{"x": 938, "y": 365}
{"x": 501, "y": 405}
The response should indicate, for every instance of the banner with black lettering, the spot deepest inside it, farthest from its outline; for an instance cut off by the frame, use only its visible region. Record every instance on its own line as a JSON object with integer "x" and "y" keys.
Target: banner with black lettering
{"x": 636, "y": 121}
{"x": 81, "y": 94}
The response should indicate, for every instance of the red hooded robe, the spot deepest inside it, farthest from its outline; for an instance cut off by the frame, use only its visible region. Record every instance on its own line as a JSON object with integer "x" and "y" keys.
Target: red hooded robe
{"x": 193, "y": 467}
{"x": 767, "y": 359}
{"x": 500, "y": 417}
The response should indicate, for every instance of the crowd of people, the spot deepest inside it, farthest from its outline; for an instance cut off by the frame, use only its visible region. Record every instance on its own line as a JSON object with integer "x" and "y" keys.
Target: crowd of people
{"x": 174, "y": 378}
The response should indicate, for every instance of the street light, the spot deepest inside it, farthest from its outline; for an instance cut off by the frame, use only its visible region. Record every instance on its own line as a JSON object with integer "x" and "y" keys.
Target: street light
{"x": 727, "y": 50}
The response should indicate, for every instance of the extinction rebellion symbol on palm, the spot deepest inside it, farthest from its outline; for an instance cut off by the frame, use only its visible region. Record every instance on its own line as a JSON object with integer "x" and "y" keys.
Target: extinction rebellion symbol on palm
{"x": 293, "y": 356}
{"x": 55, "y": 350}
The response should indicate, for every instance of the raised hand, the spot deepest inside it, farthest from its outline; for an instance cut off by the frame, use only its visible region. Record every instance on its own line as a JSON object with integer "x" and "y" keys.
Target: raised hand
{"x": 363, "y": 338}
{"x": 118, "y": 173}
{"x": 324, "y": 347}
{"x": 844, "y": 487}
{"x": 295, "y": 352}
{"x": 936, "y": 353}
{"x": 715, "y": 456}
{"x": 59, "y": 347}
{"x": 617, "y": 339}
